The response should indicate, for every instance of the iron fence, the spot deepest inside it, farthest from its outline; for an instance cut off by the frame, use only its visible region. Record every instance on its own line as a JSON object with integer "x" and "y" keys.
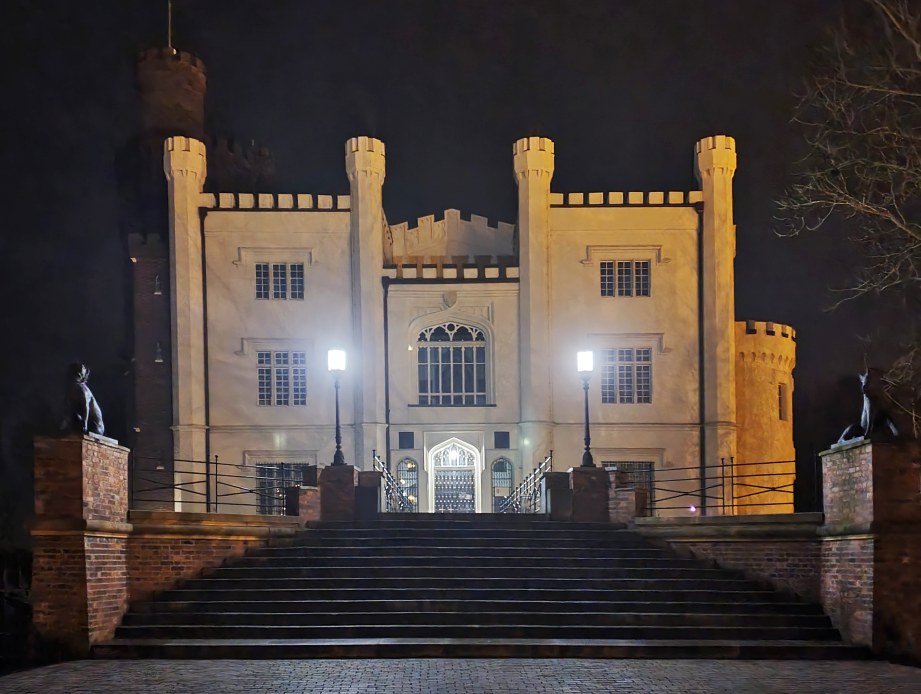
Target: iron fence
{"x": 395, "y": 498}
{"x": 526, "y": 498}
{"x": 215, "y": 487}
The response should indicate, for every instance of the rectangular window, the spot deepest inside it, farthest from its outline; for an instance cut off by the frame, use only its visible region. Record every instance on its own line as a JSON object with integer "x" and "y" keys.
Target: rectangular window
{"x": 299, "y": 378}
{"x": 782, "y": 412}
{"x": 501, "y": 439}
{"x": 264, "y": 361}
{"x": 626, "y": 375}
{"x": 272, "y": 480}
{"x": 262, "y": 280}
{"x": 625, "y": 278}
{"x": 282, "y": 378}
{"x": 297, "y": 280}
{"x": 407, "y": 440}
{"x": 607, "y": 278}
{"x": 279, "y": 281}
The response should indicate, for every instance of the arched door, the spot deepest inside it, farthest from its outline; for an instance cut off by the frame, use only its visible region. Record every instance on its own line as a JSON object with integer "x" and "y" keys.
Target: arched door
{"x": 454, "y": 467}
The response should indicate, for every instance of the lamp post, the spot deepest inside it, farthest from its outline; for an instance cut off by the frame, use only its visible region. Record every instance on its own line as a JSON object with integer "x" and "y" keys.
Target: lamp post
{"x": 585, "y": 366}
{"x": 335, "y": 364}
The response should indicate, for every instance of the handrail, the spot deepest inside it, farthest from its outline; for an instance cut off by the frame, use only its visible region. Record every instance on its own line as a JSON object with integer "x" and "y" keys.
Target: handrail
{"x": 527, "y": 496}
{"x": 395, "y": 499}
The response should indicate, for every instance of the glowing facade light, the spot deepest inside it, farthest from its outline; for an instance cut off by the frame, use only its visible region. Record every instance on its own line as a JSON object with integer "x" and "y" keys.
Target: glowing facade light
{"x": 335, "y": 360}
{"x": 585, "y": 362}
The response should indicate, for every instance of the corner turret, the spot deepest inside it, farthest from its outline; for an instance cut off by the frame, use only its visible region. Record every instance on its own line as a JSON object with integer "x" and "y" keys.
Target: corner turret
{"x": 172, "y": 85}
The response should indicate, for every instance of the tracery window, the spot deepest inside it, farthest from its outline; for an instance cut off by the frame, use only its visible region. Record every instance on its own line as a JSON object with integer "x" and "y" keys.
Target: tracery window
{"x": 501, "y": 482}
{"x": 408, "y": 478}
{"x": 452, "y": 365}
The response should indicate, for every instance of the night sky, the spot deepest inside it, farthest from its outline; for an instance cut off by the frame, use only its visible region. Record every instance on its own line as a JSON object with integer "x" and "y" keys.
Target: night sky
{"x": 624, "y": 88}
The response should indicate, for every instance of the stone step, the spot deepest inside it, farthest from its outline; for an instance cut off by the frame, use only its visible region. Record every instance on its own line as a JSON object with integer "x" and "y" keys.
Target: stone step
{"x": 525, "y": 582}
{"x": 394, "y": 549}
{"x": 638, "y": 594}
{"x": 510, "y": 534}
{"x": 486, "y": 560}
{"x": 562, "y": 617}
{"x": 476, "y": 606}
{"x": 484, "y": 541}
{"x": 477, "y": 648}
{"x": 491, "y": 631}
{"x": 476, "y": 571}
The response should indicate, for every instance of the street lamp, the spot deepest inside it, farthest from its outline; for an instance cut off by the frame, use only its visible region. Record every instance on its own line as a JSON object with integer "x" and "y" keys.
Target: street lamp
{"x": 585, "y": 365}
{"x": 335, "y": 364}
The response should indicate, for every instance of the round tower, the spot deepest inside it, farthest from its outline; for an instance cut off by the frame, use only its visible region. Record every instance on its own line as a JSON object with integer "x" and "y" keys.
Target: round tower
{"x": 172, "y": 85}
{"x": 765, "y": 359}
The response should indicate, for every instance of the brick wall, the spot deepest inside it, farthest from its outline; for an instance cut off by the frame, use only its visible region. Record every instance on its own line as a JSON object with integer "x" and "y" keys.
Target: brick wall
{"x": 157, "y": 563}
{"x": 790, "y": 565}
{"x": 59, "y": 611}
{"x": 106, "y": 584}
{"x": 165, "y": 548}
{"x": 847, "y": 586}
{"x": 897, "y": 592}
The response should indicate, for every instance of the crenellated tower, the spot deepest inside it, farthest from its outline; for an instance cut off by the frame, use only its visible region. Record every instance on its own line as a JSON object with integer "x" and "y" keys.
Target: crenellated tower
{"x": 533, "y": 165}
{"x": 171, "y": 88}
{"x": 365, "y": 164}
{"x": 765, "y": 359}
{"x": 716, "y": 165}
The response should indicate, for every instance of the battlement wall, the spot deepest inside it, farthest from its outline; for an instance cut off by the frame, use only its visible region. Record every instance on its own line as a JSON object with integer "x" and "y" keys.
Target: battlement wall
{"x": 766, "y": 342}
{"x": 451, "y": 236}
{"x": 453, "y": 267}
{"x": 628, "y": 199}
{"x": 716, "y": 142}
{"x": 170, "y": 56}
{"x": 300, "y": 202}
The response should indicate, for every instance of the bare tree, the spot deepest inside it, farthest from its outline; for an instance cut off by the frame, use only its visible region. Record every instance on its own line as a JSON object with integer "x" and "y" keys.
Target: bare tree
{"x": 861, "y": 116}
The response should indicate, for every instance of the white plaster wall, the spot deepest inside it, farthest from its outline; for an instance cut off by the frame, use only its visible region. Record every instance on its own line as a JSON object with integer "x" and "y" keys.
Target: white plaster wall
{"x": 666, "y": 321}
{"x": 239, "y": 325}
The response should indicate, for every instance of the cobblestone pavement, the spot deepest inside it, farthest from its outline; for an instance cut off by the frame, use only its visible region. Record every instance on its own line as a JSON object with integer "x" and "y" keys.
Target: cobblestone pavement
{"x": 422, "y": 676}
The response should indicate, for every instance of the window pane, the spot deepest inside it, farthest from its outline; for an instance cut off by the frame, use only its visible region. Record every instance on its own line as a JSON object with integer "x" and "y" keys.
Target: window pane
{"x": 641, "y": 275}
{"x": 265, "y": 385}
{"x": 624, "y": 383}
{"x": 282, "y": 384}
{"x": 608, "y": 377}
{"x": 624, "y": 278}
{"x": 643, "y": 383}
{"x": 279, "y": 281}
{"x": 297, "y": 280}
{"x": 300, "y": 385}
{"x": 607, "y": 278}
{"x": 262, "y": 280}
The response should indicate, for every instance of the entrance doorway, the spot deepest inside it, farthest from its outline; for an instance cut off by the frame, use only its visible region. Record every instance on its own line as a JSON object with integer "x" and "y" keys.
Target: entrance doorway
{"x": 454, "y": 466}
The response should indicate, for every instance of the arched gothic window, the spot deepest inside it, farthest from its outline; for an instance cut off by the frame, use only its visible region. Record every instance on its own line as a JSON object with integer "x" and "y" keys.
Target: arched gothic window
{"x": 408, "y": 479}
{"x": 501, "y": 482}
{"x": 452, "y": 365}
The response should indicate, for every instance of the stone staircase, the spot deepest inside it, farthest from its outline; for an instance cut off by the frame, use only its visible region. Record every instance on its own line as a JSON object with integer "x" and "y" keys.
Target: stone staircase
{"x": 482, "y": 585}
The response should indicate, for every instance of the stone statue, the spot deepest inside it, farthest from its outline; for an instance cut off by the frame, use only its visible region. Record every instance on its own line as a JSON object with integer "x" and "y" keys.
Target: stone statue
{"x": 876, "y": 420}
{"x": 83, "y": 413}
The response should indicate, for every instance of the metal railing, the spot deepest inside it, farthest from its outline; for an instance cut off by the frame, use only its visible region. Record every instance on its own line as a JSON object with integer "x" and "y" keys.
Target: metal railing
{"x": 215, "y": 487}
{"x": 728, "y": 489}
{"x": 526, "y": 498}
{"x": 751, "y": 485}
{"x": 395, "y": 499}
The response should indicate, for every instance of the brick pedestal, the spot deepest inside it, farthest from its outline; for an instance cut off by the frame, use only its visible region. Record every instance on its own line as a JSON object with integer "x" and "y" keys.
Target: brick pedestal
{"x": 589, "y": 487}
{"x": 337, "y": 492}
{"x": 79, "y": 535}
{"x": 871, "y": 544}
{"x": 556, "y": 496}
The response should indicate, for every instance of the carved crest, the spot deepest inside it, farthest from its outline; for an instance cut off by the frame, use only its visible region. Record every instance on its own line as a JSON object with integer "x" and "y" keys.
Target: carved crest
{"x": 449, "y": 299}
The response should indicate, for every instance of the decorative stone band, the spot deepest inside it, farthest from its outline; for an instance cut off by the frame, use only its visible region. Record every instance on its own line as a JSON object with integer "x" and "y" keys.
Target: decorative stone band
{"x": 633, "y": 198}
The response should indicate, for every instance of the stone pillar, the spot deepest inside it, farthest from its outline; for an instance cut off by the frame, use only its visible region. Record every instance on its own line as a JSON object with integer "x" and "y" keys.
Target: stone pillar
{"x": 716, "y": 165}
{"x": 184, "y": 164}
{"x": 365, "y": 164}
{"x": 337, "y": 492}
{"x": 556, "y": 496}
{"x": 589, "y": 488}
{"x": 626, "y": 502}
{"x": 368, "y": 495}
{"x": 533, "y": 159}
{"x": 79, "y": 537}
{"x": 871, "y": 544}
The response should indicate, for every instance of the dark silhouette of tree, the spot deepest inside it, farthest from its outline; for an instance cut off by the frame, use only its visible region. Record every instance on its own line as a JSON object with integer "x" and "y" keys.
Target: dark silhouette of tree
{"x": 860, "y": 113}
